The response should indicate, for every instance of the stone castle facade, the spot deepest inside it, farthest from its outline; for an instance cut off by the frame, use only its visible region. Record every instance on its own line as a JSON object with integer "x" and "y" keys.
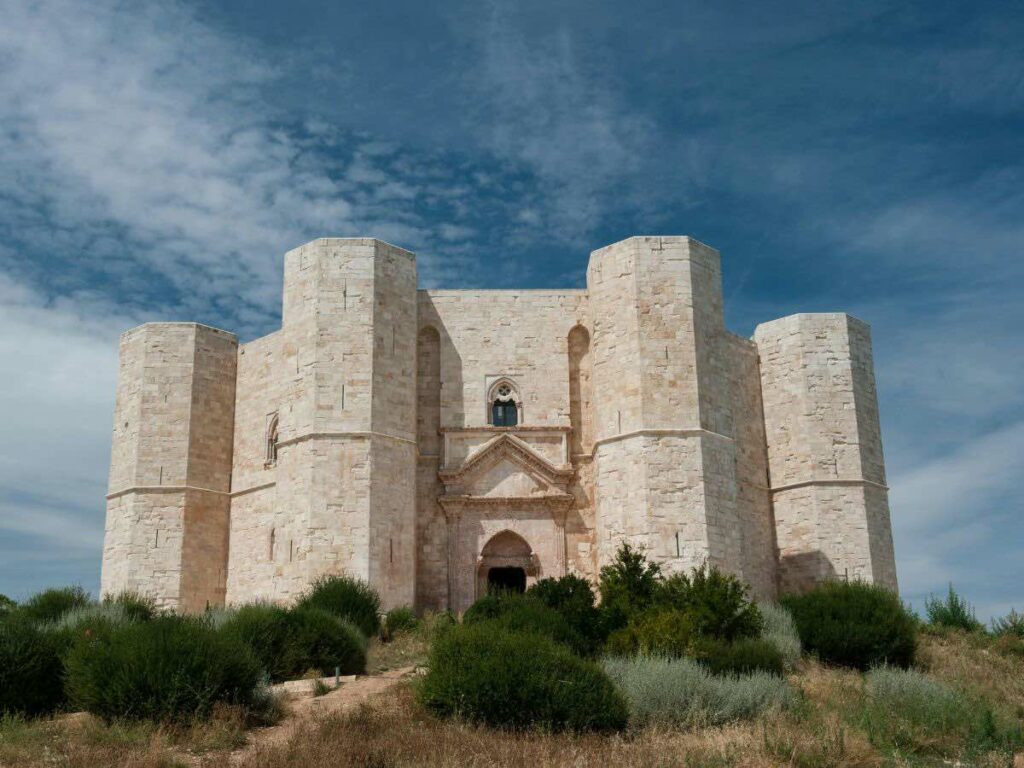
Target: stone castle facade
{"x": 435, "y": 441}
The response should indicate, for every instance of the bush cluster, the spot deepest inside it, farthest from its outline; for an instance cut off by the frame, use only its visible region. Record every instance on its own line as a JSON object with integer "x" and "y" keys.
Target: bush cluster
{"x": 523, "y": 613}
{"x": 347, "y": 598}
{"x": 397, "y": 621}
{"x": 627, "y": 586}
{"x": 122, "y": 658}
{"x": 50, "y": 604}
{"x": 682, "y": 692}
{"x": 951, "y": 612}
{"x": 716, "y": 603}
{"x": 170, "y": 668}
{"x": 573, "y": 598}
{"x": 705, "y": 615}
{"x": 853, "y": 624}
{"x": 1010, "y": 625}
{"x": 508, "y": 679}
{"x": 289, "y": 643}
{"x": 30, "y": 669}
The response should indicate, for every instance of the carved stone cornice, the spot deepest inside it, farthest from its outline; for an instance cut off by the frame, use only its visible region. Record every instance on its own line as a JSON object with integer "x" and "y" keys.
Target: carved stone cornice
{"x": 511, "y": 446}
{"x": 455, "y": 505}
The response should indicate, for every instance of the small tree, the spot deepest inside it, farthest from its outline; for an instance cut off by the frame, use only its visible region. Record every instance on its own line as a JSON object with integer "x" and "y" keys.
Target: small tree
{"x": 627, "y": 585}
{"x": 1011, "y": 624}
{"x": 952, "y": 613}
{"x": 6, "y": 605}
{"x": 716, "y": 602}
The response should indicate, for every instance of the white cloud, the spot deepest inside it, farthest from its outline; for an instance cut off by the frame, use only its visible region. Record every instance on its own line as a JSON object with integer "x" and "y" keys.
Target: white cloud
{"x": 138, "y": 125}
{"x": 956, "y": 519}
{"x": 543, "y": 110}
{"x": 60, "y": 362}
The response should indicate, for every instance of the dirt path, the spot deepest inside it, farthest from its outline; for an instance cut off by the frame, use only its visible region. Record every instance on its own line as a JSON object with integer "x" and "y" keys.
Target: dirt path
{"x": 303, "y": 707}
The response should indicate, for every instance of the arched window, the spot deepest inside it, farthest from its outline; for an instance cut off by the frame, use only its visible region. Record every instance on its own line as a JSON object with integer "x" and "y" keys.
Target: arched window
{"x": 505, "y": 404}
{"x": 272, "y": 438}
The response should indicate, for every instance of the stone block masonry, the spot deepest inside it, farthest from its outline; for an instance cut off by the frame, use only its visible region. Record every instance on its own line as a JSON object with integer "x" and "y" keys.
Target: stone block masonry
{"x": 432, "y": 442}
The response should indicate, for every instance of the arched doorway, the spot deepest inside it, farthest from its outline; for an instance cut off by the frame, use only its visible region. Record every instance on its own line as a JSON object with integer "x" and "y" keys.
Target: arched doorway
{"x": 506, "y": 561}
{"x": 506, "y": 579}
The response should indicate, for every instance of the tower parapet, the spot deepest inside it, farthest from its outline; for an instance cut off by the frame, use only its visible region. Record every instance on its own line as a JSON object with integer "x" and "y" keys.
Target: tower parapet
{"x": 825, "y": 451}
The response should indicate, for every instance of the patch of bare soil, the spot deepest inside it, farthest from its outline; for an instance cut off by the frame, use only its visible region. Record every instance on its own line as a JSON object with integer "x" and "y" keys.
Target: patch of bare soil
{"x": 304, "y": 707}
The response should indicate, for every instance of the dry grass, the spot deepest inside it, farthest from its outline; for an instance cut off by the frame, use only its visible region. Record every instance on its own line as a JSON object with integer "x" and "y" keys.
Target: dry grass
{"x": 407, "y": 649}
{"x": 394, "y": 731}
{"x": 985, "y": 667}
{"x": 84, "y": 741}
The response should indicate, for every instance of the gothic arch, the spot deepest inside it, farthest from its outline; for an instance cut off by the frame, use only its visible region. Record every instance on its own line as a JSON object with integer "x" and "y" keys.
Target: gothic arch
{"x": 502, "y": 395}
{"x": 580, "y": 391}
{"x": 428, "y": 390}
{"x": 505, "y": 550}
{"x": 272, "y": 438}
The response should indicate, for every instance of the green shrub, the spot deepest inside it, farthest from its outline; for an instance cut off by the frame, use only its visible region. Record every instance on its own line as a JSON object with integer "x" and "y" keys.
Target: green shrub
{"x": 655, "y": 632}
{"x": 30, "y": 669}
{"x": 51, "y": 604}
{"x": 780, "y": 630}
{"x": 854, "y": 624}
{"x": 519, "y": 613}
{"x": 627, "y": 585}
{"x": 907, "y": 710}
{"x": 683, "y": 692}
{"x": 322, "y": 641}
{"x": 436, "y": 623}
{"x": 170, "y": 668}
{"x": 740, "y": 657}
{"x": 1010, "y": 625}
{"x": 951, "y": 613}
{"x": 397, "y": 621}
{"x": 715, "y": 601}
{"x": 136, "y": 607}
{"x": 264, "y": 628}
{"x": 573, "y": 597}
{"x": 6, "y": 605}
{"x": 347, "y": 598}
{"x": 85, "y": 622}
{"x": 486, "y": 674}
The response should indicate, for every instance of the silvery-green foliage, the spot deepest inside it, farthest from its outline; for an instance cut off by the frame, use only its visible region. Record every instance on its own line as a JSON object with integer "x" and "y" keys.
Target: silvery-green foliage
{"x": 780, "y": 631}
{"x": 914, "y": 696}
{"x": 683, "y": 692}
{"x": 218, "y": 617}
{"x": 111, "y": 613}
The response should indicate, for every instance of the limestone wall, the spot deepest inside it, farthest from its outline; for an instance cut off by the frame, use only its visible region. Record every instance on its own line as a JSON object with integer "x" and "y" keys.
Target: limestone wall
{"x": 824, "y": 449}
{"x": 340, "y": 377}
{"x": 665, "y": 453}
{"x": 753, "y": 499}
{"x": 665, "y": 429}
{"x": 167, "y": 511}
{"x": 488, "y": 334}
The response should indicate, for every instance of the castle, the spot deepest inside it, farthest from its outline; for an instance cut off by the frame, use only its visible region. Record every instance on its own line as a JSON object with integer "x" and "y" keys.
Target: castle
{"x": 436, "y": 442}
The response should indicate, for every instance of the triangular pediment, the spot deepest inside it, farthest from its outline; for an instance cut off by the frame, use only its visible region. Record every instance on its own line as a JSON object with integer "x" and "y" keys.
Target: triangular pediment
{"x": 507, "y": 467}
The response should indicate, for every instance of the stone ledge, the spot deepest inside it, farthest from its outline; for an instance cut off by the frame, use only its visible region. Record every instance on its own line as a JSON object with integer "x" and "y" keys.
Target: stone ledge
{"x": 693, "y": 432}
{"x": 163, "y": 489}
{"x": 827, "y": 481}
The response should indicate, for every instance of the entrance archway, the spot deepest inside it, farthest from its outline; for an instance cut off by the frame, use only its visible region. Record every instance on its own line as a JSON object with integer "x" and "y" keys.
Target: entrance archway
{"x": 506, "y": 561}
{"x": 506, "y": 579}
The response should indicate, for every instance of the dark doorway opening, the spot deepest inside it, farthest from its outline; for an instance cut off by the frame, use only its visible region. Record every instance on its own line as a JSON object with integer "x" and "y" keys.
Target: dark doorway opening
{"x": 506, "y": 580}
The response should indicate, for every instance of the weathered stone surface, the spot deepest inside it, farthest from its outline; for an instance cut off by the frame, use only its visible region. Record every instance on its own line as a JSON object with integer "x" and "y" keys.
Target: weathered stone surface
{"x": 358, "y": 438}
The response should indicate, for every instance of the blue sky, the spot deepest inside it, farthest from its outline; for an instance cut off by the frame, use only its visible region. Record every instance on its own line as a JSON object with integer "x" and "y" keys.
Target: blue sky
{"x": 156, "y": 160}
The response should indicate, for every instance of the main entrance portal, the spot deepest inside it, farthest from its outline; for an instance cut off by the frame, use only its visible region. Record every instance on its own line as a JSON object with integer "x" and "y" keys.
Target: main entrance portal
{"x": 506, "y": 580}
